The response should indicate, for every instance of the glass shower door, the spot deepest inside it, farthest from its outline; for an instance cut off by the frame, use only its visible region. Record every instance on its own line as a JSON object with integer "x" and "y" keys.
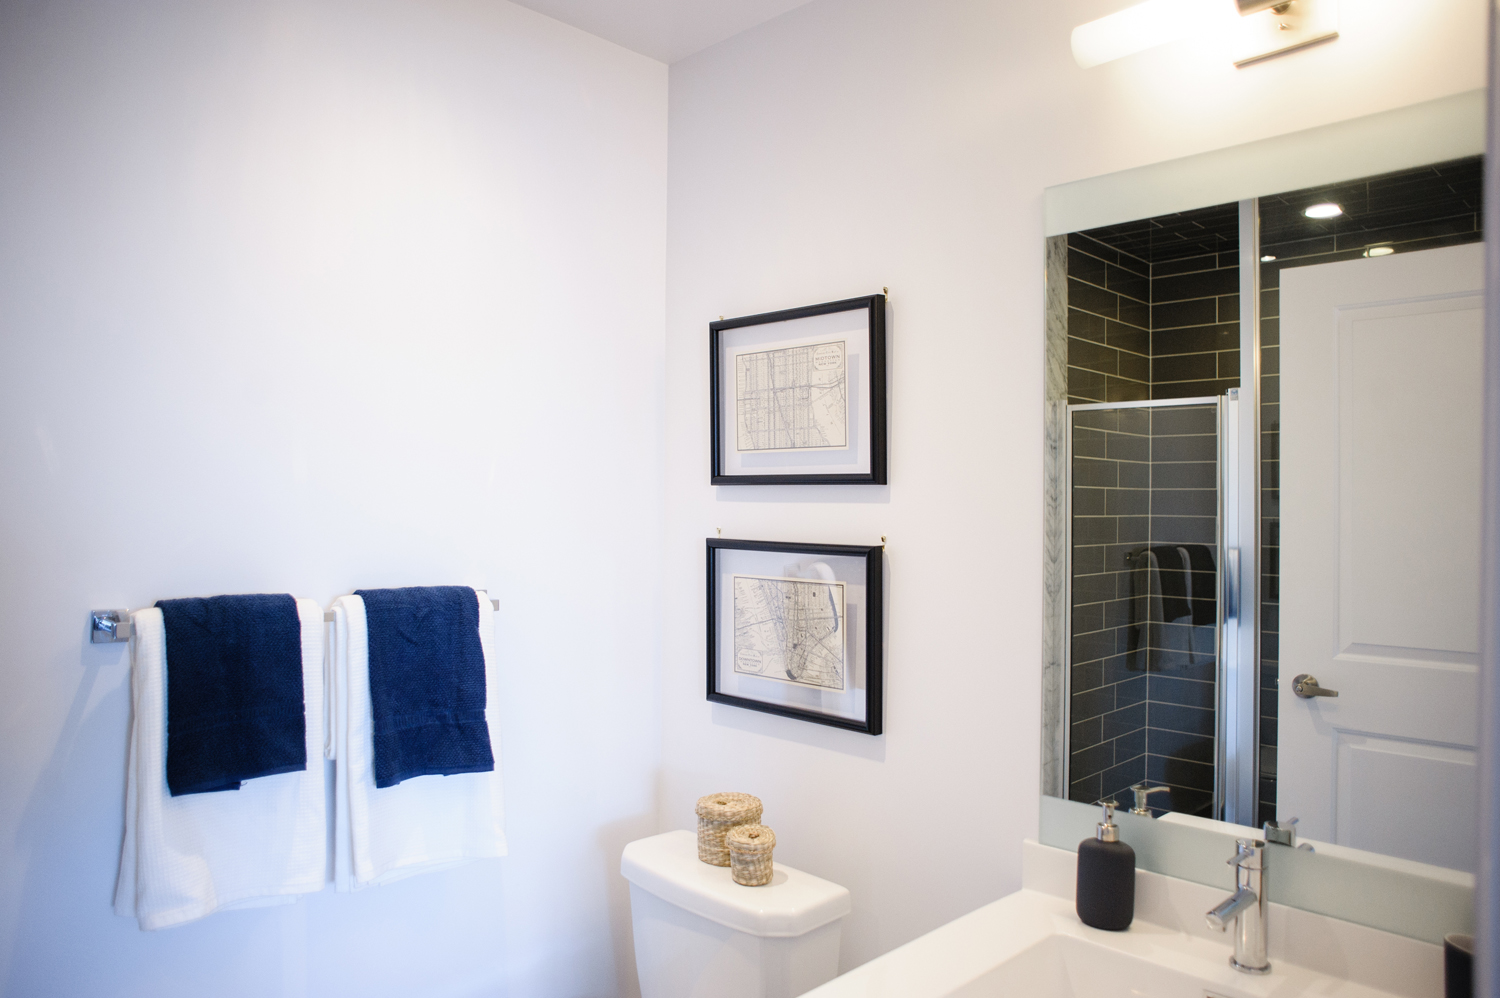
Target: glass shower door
{"x": 1147, "y": 610}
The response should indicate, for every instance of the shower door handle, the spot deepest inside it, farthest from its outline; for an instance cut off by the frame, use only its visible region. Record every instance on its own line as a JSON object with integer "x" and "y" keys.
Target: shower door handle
{"x": 1231, "y": 584}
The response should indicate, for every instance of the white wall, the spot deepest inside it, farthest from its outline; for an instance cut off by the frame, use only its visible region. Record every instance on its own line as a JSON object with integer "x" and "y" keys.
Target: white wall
{"x": 851, "y": 144}
{"x": 308, "y": 297}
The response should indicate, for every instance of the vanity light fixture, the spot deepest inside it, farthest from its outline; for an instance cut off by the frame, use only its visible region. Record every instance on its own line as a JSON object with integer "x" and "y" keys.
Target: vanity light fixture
{"x": 1324, "y": 209}
{"x": 1258, "y": 29}
{"x": 1141, "y": 27}
{"x": 1380, "y": 251}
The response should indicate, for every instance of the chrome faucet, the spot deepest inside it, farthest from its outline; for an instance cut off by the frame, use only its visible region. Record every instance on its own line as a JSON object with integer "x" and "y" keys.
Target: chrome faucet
{"x": 1246, "y": 907}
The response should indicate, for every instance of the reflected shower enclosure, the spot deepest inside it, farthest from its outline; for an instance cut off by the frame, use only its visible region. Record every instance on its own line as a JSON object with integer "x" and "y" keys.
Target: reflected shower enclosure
{"x": 1144, "y": 602}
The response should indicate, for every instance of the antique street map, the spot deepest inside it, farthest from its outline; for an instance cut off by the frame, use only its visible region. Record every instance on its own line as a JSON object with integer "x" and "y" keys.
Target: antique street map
{"x": 790, "y": 630}
{"x": 793, "y": 398}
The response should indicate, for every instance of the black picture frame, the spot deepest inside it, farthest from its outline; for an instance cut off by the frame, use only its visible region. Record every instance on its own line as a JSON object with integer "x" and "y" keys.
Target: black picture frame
{"x": 873, "y": 349}
{"x": 871, "y": 627}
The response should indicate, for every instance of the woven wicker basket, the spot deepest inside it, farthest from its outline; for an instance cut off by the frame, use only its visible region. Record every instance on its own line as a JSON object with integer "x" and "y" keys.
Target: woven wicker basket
{"x": 717, "y": 814}
{"x": 750, "y": 849}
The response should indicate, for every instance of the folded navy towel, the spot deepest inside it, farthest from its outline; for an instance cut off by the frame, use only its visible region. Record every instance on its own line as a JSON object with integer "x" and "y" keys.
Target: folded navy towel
{"x": 234, "y": 691}
{"x": 427, "y": 689}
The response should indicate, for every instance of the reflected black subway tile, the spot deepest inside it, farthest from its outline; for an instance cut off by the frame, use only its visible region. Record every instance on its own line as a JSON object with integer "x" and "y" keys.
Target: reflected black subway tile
{"x": 1124, "y": 282}
{"x": 1126, "y": 337}
{"x": 1184, "y": 530}
{"x": 1091, "y": 473}
{"x": 1186, "y": 692}
{"x": 1177, "y": 772}
{"x": 1180, "y": 745}
{"x": 1137, "y": 313}
{"x": 1188, "y": 419}
{"x": 1184, "y": 502}
{"x": 1131, "y": 745}
{"x": 1088, "y": 298}
{"x": 1204, "y": 447}
{"x": 1095, "y": 645}
{"x": 1086, "y": 326}
{"x": 1086, "y": 732}
{"x": 1093, "y": 703}
{"x": 1087, "y": 385}
{"x": 1131, "y": 691}
{"x": 1088, "y": 442}
{"x": 1122, "y": 776}
{"x": 1093, "y": 588}
{"x": 1126, "y": 502}
{"x": 1123, "y": 722}
{"x": 1086, "y": 790}
{"x": 1086, "y": 618}
{"x": 1086, "y": 267}
{"x": 1199, "y": 284}
{"x": 1120, "y": 390}
{"x": 1095, "y": 530}
{"x": 1094, "y": 759}
{"x": 1174, "y": 717}
{"x": 1127, "y": 447}
{"x": 1088, "y": 560}
{"x": 1090, "y": 502}
{"x": 1093, "y": 357}
{"x": 1180, "y": 475}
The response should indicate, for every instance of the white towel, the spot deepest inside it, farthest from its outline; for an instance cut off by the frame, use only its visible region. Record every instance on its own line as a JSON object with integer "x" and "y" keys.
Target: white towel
{"x": 187, "y": 857}
{"x": 422, "y": 824}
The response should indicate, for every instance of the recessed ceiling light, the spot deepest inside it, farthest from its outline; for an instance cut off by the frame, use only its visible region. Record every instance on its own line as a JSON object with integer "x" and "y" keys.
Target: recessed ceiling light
{"x": 1380, "y": 251}
{"x": 1327, "y": 209}
{"x": 1267, "y": 258}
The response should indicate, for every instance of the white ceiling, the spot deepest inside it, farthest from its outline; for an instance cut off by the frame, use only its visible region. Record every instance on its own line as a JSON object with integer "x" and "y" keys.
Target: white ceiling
{"x": 663, "y": 29}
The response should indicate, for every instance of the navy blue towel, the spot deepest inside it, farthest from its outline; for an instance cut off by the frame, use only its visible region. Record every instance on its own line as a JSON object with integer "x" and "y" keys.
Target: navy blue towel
{"x": 234, "y": 691}
{"x": 427, "y": 690}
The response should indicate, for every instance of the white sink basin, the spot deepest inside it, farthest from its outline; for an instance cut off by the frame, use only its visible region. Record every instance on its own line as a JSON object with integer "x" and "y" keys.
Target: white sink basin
{"x": 1032, "y": 944}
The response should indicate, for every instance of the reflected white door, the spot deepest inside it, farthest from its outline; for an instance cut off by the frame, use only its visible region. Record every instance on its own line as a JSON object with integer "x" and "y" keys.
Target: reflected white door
{"x": 1381, "y": 391}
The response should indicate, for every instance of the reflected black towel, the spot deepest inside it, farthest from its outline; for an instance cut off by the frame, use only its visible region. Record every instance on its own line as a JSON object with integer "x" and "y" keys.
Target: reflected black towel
{"x": 1181, "y": 578}
{"x": 234, "y": 691}
{"x": 427, "y": 690}
{"x": 1171, "y": 577}
{"x": 1203, "y": 584}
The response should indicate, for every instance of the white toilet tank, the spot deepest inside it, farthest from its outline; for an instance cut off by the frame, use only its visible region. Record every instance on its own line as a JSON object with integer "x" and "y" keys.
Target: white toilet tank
{"x": 698, "y": 934}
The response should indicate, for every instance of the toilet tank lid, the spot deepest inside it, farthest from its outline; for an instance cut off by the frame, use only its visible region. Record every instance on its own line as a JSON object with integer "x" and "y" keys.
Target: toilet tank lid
{"x": 793, "y": 902}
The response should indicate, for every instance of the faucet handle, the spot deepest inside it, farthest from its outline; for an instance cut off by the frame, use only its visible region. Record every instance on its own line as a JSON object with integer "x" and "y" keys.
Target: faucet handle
{"x": 1141, "y": 792}
{"x": 1282, "y": 833}
{"x": 1246, "y": 851}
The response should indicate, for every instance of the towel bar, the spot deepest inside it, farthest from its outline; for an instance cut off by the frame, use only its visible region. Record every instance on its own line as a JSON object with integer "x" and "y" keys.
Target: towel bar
{"x": 108, "y": 626}
{"x": 328, "y": 616}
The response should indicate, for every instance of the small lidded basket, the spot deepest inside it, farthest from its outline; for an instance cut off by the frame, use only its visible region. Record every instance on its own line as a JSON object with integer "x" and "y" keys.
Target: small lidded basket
{"x": 750, "y": 849}
{"x": 717, "y": 814}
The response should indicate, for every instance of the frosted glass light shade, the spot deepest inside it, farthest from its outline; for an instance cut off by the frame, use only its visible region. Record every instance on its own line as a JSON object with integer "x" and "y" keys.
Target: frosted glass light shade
{"x": 1144, "y": 26}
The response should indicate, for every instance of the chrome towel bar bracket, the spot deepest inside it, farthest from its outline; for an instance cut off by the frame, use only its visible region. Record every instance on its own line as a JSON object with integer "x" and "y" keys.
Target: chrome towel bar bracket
{"x": 108, "y": 626}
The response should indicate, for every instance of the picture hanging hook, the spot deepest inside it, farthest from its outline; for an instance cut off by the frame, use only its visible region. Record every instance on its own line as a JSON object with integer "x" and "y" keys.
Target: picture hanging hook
{"x": 719, "y": 531}
{"x": 882, "y": 540}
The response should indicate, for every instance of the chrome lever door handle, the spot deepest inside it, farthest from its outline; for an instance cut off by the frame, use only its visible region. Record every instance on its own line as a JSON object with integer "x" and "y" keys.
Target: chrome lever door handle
{"x": 1306, "y": 686}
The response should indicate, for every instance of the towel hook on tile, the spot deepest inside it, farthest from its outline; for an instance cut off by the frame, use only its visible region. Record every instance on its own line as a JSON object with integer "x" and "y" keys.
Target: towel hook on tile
{"x": 108, "y": 626}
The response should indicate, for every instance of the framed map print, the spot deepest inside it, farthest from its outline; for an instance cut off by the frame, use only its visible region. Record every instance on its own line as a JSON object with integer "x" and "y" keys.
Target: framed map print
{"x": 796, "y": 630}
{"x": 798, "y": 396}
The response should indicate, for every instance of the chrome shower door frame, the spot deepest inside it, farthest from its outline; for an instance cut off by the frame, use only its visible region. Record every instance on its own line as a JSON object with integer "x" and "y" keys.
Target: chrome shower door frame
{"x": 1220, "y": 645}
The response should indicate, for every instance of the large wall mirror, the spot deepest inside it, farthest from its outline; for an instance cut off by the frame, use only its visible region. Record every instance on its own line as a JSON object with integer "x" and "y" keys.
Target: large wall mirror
{"x": 1263, "y": 489}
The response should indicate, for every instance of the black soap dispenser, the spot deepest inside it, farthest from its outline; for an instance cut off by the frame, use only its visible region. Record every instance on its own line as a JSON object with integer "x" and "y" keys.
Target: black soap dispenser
{"x": 1106, "y": 877}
